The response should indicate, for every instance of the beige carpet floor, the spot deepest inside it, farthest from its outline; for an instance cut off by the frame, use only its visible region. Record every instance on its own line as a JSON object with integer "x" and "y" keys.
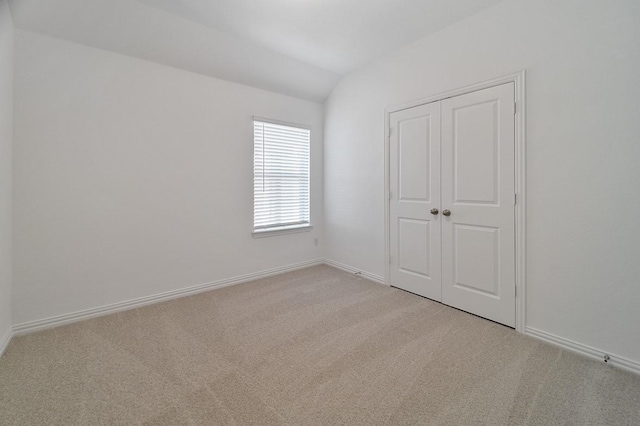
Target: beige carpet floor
{"x": 311, "y": 347}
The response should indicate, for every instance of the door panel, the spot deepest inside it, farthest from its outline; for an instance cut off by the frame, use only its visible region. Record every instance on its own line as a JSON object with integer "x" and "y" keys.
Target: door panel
{"x": 413, "y": 247}
{"x": 478, "y": 187}
{"x": 476, "y": 259}
{"x": 475, "y": 149}
{"x": 414, "y": 146}
{"x": 415, "y": 234}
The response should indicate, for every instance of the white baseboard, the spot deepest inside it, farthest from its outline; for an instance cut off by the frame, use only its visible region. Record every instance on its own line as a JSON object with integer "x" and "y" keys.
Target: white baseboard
{"x": 4, "y": 341}
{"x": 597, "y": 354}
{"x": 347, "y": 268}
{"x": 37, "y": 325}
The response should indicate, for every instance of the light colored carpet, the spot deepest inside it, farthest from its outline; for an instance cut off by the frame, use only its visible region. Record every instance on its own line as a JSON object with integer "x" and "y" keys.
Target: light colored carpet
{"x": 315, "y": 346}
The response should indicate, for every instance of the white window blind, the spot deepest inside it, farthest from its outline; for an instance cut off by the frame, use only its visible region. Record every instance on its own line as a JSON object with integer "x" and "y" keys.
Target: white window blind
{"x": 280, "y": 176}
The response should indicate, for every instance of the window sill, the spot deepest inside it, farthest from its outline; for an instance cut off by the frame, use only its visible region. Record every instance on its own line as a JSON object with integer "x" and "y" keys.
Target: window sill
{"x": 272, "y": 232}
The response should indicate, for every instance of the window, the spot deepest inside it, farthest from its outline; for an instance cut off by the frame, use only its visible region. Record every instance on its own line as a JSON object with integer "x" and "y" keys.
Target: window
{"x": 280, "y": 177}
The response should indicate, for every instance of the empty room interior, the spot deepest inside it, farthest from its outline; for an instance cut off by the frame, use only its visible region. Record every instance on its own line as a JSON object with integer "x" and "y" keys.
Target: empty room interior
{"x": 319, "y": 212}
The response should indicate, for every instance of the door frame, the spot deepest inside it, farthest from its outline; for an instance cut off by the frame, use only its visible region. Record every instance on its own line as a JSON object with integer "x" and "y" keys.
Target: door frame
{"x": 518, "y": 79}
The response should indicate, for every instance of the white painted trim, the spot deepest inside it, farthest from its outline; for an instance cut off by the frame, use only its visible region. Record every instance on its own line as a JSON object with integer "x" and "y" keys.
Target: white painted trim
{"x": 520, "y": 140}
{"x": 274, "y": 232}
{"x": 4, "y": 343}
{"x": 515, "y": 77}
{"x": 32, "y": 326}
{"x": 588, "y": 351}
{"x": 521, "y": 203}
{"x": 387, "y": 191}
{"x": 368, "y": 275}
{"x": 37, "y": 325}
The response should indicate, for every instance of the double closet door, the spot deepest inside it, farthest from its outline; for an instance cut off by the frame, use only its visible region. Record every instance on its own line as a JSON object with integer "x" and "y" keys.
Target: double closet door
{"x": 451, "y": 212}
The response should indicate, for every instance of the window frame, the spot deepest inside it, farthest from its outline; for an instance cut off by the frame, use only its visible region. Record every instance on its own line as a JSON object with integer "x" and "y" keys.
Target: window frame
{"x": 279, "y": 230}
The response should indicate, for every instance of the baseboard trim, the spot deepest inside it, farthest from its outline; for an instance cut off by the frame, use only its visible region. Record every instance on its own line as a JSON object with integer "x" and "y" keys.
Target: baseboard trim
{"x": 4, "y": 342}
{"x": 42, "y": 324}
{"x": 37, "y": 325}
{"x": 368, "y": 275}
{"x": 591, "y": 352}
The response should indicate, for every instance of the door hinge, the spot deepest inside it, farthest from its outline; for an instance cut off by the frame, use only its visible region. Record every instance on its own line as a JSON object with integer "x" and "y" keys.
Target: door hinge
{"x": 515, "y": 199}
{"x": 516, "y": 291}
{"x": 390, "y": 131}
{"x": 515, "y": 108}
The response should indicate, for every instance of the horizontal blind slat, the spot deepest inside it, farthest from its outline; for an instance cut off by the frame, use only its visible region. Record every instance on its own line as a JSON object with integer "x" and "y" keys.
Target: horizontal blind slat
{"x": 281, "y": 175}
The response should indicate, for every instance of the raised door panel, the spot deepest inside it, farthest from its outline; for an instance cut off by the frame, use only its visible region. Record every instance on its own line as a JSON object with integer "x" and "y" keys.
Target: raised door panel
{"x": 476, "y": 259}
{"x": 414, "y": 252}
{"x": 414, "y": 144}
{"x": 475, "y": 166}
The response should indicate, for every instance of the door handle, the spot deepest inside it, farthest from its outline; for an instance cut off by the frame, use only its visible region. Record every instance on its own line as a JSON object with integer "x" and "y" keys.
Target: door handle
{"x": 434, "y": 211}
{"x": 446, "y": 212}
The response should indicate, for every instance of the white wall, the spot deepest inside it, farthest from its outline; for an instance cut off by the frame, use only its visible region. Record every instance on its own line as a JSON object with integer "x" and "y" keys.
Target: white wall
{"x": 132, "y": 178}
{"x": 6, "y": 136}
{"x": 583, "y": 153}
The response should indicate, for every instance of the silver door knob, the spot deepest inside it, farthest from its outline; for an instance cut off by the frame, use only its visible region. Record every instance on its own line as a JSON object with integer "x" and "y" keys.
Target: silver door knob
{"x": 446, "y": 212}
{"x": 434, "y": 211}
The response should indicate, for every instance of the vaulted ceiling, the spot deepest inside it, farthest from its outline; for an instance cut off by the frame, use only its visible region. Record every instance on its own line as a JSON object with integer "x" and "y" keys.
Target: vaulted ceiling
{"x": 295, "y": 47}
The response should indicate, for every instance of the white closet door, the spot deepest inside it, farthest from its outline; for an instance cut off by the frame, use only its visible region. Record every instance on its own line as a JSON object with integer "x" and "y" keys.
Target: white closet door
{"x": 478, "y": 238}
{"x": 415, "y": 233}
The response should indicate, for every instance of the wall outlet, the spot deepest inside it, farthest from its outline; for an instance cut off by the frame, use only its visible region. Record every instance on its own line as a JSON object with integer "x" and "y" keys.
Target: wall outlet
{"x": 315, "y": 241}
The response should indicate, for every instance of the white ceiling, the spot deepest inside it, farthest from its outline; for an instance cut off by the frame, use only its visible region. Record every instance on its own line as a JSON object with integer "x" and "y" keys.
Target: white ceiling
{"x": 296, "y": 47}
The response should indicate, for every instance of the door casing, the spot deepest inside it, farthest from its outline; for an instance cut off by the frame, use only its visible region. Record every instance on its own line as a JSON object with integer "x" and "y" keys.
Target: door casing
{"x": 520, "y": 208}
